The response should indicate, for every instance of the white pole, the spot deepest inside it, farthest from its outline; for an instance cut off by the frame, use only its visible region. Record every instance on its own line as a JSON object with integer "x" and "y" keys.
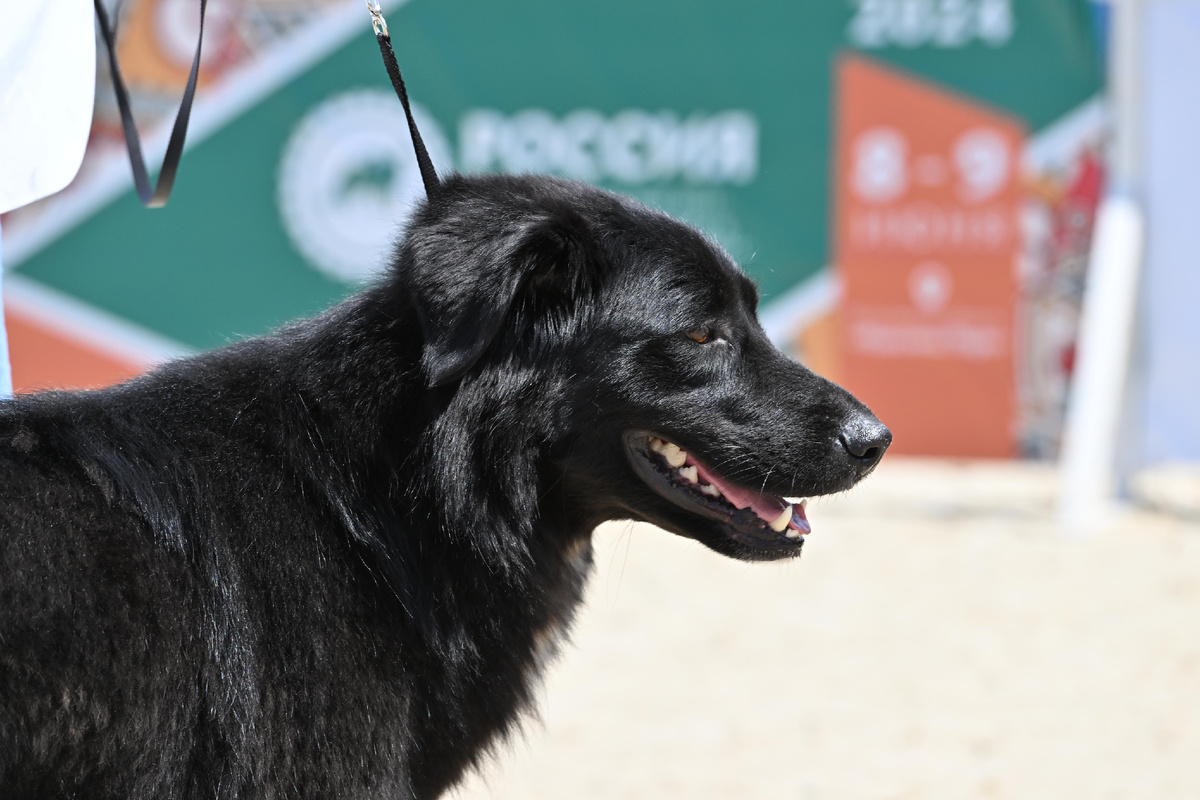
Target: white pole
{"x": 6, "y": 388}
{"x": 1088, "y": 474}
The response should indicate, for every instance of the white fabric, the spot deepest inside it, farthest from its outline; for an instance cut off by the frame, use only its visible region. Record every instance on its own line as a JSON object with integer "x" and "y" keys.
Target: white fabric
{"x": 47, "y": 84}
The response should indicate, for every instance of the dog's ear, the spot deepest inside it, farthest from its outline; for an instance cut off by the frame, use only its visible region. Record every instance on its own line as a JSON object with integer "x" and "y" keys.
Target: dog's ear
{"x": 468, "y": 282}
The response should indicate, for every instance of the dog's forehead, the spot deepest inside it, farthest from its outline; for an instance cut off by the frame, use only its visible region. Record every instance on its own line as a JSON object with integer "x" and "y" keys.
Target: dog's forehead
{"x": 647, "y": 257}
{"x": 678, "y": 271}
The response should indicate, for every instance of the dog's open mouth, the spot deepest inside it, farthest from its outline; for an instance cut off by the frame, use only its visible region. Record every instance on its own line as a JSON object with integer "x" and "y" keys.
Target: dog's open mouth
{"x": 756, "y": 519}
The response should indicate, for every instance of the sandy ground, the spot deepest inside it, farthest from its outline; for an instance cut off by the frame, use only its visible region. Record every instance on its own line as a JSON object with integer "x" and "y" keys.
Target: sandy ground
{"x": 940, "y": 638}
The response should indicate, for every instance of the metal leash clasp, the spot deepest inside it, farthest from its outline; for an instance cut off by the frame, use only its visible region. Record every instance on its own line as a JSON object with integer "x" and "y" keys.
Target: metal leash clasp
{"x": 377, "y": 20}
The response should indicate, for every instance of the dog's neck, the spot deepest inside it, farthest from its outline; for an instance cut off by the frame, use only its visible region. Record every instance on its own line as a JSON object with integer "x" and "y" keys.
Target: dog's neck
{"x": 389, "y": 493}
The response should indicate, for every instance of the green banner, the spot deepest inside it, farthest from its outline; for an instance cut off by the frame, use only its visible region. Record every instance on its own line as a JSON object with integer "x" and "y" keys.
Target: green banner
{"x": 716, "y": 112}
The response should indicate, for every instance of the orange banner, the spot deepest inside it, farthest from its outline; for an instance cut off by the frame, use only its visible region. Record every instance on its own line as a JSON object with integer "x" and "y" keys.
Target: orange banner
{"x": 45, "y": 357}
{"x": 927, "y": 239}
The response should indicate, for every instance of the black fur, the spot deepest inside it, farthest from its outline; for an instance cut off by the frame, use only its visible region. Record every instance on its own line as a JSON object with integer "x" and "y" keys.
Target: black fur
{"x": 330, "y": 562}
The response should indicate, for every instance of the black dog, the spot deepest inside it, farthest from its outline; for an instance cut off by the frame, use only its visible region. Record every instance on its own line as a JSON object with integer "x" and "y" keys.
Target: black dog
{"x": 330, "y": 562}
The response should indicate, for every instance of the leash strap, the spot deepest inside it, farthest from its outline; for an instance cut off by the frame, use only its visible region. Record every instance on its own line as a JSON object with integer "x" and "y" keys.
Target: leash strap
{"x": 428, "y": 173}
{"x": 156, "y": 197}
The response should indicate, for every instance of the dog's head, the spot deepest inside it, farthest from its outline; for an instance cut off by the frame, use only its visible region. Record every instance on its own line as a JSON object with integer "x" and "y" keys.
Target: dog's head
{"x": 634, "y": 343}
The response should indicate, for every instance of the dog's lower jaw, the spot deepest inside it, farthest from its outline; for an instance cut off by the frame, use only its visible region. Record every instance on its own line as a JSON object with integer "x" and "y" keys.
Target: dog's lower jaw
{"x": 745, "y": 532}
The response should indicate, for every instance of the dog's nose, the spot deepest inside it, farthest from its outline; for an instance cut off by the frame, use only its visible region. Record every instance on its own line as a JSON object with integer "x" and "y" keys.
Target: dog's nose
{"x": 865, "y": 439}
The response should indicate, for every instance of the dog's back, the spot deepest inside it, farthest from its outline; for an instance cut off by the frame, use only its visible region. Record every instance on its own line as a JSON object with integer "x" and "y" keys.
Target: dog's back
{"x": 87, "y": 603}
{"x": 172, "y": 620}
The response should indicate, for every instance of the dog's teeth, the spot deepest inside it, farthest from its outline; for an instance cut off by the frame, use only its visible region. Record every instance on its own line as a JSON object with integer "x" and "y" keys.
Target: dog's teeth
{"x": 689, "y": 474}
{"x": 781, "y": 522}
{"x": 792, "y": 533}
{"x": 675, "y": 457}
{"x": 656, "y": 444}
{"x": 711, "y": 491}
{"x": 804, "y": 503}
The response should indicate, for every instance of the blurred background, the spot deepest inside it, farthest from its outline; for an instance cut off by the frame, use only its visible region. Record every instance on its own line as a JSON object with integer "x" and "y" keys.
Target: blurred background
{"x": 975, "y": 214}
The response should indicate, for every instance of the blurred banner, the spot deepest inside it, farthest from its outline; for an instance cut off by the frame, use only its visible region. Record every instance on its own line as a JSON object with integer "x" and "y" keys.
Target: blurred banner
{"x": 927, "y": 221}
{"x": 298, "y": 169}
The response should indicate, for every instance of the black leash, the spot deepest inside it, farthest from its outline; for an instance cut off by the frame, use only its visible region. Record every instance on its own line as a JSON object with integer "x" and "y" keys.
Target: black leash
{"x": 157, "y": 197}
{"x": 428, "y": 173}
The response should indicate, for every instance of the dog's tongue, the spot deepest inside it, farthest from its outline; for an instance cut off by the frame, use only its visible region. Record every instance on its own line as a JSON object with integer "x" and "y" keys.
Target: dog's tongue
{"x": 766, "y": 506}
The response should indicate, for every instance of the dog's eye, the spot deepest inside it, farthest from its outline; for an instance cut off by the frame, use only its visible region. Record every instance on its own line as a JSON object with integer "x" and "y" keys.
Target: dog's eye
{"x": 700, "y": 335}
